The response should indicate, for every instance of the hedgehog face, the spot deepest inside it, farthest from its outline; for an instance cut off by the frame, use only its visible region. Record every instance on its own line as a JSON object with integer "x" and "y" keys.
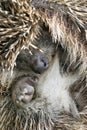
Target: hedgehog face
{"x": 37, "y": 59}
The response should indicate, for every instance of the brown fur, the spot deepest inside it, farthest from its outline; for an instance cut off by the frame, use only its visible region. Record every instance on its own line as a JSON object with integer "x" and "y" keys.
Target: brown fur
{"x": 66, "y": 21}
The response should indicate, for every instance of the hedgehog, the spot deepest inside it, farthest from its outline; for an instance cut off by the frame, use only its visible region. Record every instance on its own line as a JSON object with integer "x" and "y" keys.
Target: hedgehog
{"x": 53, "y": 89}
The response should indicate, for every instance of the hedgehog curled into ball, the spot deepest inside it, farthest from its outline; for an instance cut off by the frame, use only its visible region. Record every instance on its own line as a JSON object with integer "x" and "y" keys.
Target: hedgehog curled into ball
{"x": 44, "y": 43}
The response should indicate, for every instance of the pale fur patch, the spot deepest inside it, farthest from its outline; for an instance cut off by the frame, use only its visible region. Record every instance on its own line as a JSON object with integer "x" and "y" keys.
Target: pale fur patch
{"x": 55, "y": 88}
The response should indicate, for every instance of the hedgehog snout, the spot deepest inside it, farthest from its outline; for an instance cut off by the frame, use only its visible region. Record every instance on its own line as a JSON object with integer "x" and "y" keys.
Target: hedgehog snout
{"x": 40, "y": 63}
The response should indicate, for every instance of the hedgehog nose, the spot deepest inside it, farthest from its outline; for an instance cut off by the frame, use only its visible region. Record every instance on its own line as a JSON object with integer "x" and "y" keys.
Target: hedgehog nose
{"x": 23, "y": 95}
{"x": 39, "y": 63}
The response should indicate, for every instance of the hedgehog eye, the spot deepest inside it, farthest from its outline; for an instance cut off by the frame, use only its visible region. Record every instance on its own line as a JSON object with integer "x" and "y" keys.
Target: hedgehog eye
{"x": 53, "y": 55}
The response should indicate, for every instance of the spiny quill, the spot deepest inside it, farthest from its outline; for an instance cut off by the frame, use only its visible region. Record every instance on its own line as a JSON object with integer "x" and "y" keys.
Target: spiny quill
{"x": 20, "y": 23}
{"x": 17, "y": 28}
